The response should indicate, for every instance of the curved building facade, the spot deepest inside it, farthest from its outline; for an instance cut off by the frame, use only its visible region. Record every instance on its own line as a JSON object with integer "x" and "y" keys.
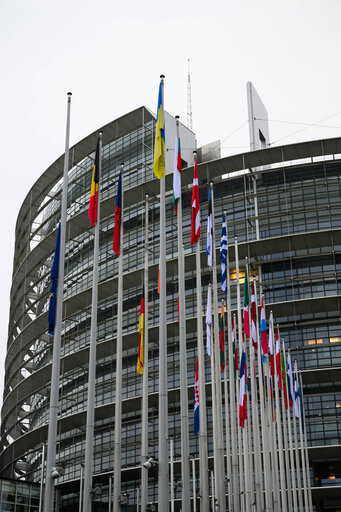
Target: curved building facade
{"x": 283, "y": 203}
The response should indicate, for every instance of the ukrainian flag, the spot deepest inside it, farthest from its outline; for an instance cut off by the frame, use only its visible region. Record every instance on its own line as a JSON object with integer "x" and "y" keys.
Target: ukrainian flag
{"x": 159, "y": 147}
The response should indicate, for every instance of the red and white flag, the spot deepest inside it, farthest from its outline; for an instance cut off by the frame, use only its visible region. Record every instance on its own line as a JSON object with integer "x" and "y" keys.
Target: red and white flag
{"x": 195, "y": 233}
{"x": 253, "y": 317}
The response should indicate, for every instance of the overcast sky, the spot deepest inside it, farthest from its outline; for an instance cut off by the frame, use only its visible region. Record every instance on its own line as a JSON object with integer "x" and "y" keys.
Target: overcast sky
{"x": 110, "y": 54}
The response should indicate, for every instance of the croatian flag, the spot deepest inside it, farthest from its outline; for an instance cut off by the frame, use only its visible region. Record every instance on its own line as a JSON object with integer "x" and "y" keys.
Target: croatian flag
{"x": 278, "y": 360}
{"x": 196, "y": 400}
{"x": 263, "y": 334}
{"x": 242, "y": 390}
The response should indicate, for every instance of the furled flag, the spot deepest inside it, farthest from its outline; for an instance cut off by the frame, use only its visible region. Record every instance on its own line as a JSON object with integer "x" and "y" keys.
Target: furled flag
{"x": 235, "y": 351}
{"x": 54, "y": 283}
{"x": 195, "y": 233}
{"x": 196, "y": 400}
{"x": 118, "y": 214}
{"x": 221, "y": 338}
{"x": 209, "y": 240}
{"x": 159, "y": 167}
{"x": 278, "y": 360}
{"x": 263, "y": 334}
{"x": 242, "y": 390}
{"x": 300, "y": 401}
{"x": 94, "y": 189}
{"x": 271, "y": 346}
{"x": 177, "y": 174}
{"x": 208, "y": 321}
{"x": 246, "y": 305}
{"x": 290, "y": 382}
{"x": 297, "y": 407}
{"x": 284, "y": 380}
{"x": 253, "y": 317}
{"x": 158, "y": 279}
{"x": 223, "y": 256}
{"x": 140, "y": 354}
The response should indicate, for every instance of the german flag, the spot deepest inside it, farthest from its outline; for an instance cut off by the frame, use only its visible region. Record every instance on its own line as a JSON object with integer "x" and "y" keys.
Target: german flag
{"x": 94, "y": 189}
{"x": 140, "y": 354}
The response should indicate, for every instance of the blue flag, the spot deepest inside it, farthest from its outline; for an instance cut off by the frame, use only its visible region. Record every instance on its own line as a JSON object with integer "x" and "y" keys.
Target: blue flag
{"x": 223, "y": 256}
{"x": 209, "y": 240}
{"x": 196, "y": 401}
{"x": 54, "y": 283}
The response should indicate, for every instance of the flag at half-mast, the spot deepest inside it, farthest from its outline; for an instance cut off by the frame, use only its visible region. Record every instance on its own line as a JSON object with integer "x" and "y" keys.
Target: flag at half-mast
{"x": 246, "y": 305}
{"x": 195, "y": 233}
{"x": 118, "y": 215}
{"x": 290, "y": 382}
{"x": 177, "y": 174}
{"x": 209, "y": 240}
{"x": 234, "y": 351}
{"x": 221, "y": 338}
{"x": 140, "y": 353}
{"x": 208, "y": 322}
{"x": 159, "y": 167}
{"x": 196, "y": 400}
{"x": 278, "y": 360}
{"x": 223, "y": 255}
{"x": 93, "y": 206}
{"x": 253, "y": 317}
{"x": 242, "y": 389}
{"x": 263, "y": 333}
{"x": 54, "y": 284}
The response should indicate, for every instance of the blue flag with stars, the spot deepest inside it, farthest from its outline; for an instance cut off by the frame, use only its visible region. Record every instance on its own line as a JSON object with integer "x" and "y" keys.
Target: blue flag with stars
{"x": 54, "y": 283}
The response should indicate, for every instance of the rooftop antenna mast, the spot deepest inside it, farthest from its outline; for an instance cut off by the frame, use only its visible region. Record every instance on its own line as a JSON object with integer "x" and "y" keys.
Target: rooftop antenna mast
{"x": 189, "y": 101}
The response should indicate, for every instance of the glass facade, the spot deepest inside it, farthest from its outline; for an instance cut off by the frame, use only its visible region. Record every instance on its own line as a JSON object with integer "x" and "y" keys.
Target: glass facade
{"x": 287, "y": 219}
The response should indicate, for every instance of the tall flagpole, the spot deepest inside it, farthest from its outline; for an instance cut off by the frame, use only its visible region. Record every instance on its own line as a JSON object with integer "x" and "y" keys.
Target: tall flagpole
{"x": 203, "y": 453}
{"x": 54, "y": 393}
{"x": 227, "y": 420}
{"x": 90, "y": 417}
{"x": 302, "y": 450}
{"x": 186, "y": 497}
{"x": 282, "y": 475}
{"x": 297, "y": 457}
{"x": 285, "y": 436}
{"x": 310, "y": 502}
{"x": 242, "y": 475}
{"x": 220, "y": 477}
{"x": 291, "y": 450}
{"x": 119, "y": 350}
{"x": 163, "y": 392}
{"x": 144, "y": 427}
{"x": 234, "y": 502}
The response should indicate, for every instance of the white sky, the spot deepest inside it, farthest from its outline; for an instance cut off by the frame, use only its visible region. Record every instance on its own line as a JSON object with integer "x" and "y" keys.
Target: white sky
{"x": 110, "y": 54}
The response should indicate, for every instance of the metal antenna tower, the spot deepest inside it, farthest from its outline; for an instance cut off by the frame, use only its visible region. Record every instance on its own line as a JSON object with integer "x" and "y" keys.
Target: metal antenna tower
{"x": 189, "y": 101}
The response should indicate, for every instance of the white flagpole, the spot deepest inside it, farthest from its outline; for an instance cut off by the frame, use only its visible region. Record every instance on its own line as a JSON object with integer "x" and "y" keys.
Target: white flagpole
{"x": 144, "y": 427}
{"x": 163, "y": 390}
{"x": 233, "y": 476}
{"x": 194, "y": 489}
{"x": 54, "y": 393}
{"x": 242, "y": 475}
{"x": 203, "y": 452}
{"x": 171, "y": 449}
{"x": 90, "y": 417}
{"x": 80, "y": 509}
{"x": 119, "y": 349}
{"x": 220, "y": 478}
{"x": 291, "y": 449}
{"x": 186, "y": 494}
{"x": 227, "y": 423}
{"x": 285, "y": 436}
{"x": 279, "y": 430}
{"x": 109, "y": 495}
{"x": 302, "y": 450}
{"x": 266, "y": 459}
{"x": 213, "y": 492}
{"x": 310, "y": 502}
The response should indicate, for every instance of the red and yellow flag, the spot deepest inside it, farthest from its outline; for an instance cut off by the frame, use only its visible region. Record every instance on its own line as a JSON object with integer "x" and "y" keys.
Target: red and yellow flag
{"x": 140, "y": 354}
{"x": 94, "y": 189}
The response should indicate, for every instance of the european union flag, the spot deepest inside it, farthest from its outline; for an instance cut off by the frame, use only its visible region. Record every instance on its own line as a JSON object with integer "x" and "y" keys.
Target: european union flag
{"x": 54, "y": 283}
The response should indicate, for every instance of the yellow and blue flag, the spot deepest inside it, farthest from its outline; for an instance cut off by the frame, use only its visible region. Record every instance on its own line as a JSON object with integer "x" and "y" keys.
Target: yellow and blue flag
{"x": 54, "y": 283}
{"x": 159, "y": 147}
